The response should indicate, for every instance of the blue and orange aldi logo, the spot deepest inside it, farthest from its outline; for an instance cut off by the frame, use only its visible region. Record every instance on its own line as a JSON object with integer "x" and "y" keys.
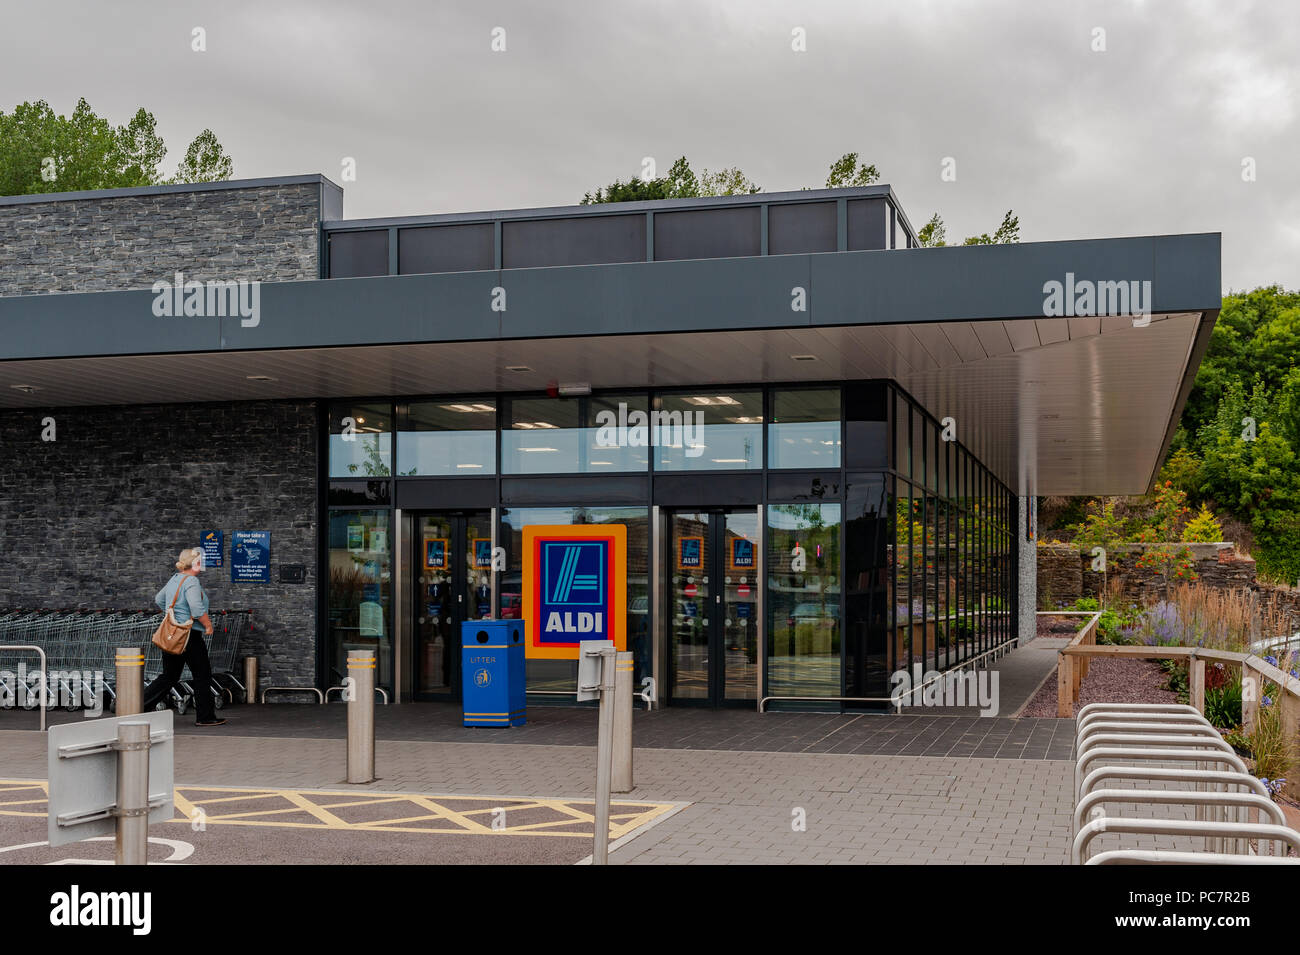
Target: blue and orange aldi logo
{"x": 575, "y": 588}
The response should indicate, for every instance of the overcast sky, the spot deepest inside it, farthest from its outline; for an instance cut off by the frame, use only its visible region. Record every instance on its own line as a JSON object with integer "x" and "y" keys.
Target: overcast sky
{"x": 1146, "y": 137}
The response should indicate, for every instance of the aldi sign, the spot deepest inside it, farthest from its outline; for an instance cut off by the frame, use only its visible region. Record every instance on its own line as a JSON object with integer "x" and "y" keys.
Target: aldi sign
{"x": 575, "y": 588}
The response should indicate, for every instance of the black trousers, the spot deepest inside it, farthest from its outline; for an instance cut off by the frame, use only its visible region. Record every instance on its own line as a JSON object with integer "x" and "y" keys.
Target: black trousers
{"x": 196, "y": 655}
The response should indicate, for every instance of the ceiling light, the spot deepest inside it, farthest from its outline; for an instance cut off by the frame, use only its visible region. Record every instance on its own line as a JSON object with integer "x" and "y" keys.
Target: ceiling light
{"x": 730, "y": 460}
{"x": 804, "y": 357}
{"x": 539, "y": 449}
{"x": 259, "y": 378}
{"x": 517, "y": 368}
{"x": 575, "y": 388}
{"x": 469, "y": 465}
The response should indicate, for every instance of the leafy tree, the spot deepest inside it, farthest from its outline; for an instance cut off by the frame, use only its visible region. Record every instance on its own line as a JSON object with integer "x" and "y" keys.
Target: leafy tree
{"x": 933, "y": 234}
{"x": 1008, "y": 232}
{"x": 41, "y": 152}
{"x": 847, "y": 171}
{"x": 205, "y": 161}
{"x": 681, "y": 182}
{"x": 1203, "y": 528}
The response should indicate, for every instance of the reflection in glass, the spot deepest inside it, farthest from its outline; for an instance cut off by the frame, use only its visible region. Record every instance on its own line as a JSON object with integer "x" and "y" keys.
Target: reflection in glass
{"x": 448, "y": 437}
{"x": 559, "y": 677}
{"x": 716, "y": 431}
{"x": 803, "y": 595}
{"x": 805, "y": 429}
{"x": 361, "y": 440}
{"x": 360, "y": 590}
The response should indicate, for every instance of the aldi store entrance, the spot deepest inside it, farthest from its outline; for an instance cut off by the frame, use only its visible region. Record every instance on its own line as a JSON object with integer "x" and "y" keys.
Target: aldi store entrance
{"x": 451, "y": 569}
{"x": 713, "y": 601}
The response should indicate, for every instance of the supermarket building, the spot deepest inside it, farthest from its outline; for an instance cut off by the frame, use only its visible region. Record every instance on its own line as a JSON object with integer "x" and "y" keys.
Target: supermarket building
{"x": 824, "y": 442}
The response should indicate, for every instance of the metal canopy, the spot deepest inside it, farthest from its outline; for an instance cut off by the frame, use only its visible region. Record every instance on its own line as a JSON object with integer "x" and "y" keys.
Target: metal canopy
{"x": 1051, "y": 405}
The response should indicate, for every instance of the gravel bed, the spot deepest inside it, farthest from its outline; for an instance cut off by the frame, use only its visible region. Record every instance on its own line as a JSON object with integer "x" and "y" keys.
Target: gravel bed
{"x": 1108, "y": 681}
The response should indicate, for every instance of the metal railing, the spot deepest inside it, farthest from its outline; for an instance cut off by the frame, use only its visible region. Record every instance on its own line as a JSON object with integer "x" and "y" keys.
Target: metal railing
{"x": 14, "y": 690}
{"x": 1223, "y": 800}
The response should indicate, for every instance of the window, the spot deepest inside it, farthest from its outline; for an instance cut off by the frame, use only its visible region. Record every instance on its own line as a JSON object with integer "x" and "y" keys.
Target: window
{"x": 803, "y": 597}
{"x": 542, "y": 436}
{"x": 709, "y": 431}
{"x": 361, "y": 440}
{"x": 805, "y": 430}
{"x": 360, "y": 591}
{"x": 452, "y": 436}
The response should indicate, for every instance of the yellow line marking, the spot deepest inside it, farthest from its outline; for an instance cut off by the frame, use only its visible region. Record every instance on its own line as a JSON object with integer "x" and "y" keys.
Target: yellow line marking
{"x": 324, "y": 815}
{"x": 633, "y": 814}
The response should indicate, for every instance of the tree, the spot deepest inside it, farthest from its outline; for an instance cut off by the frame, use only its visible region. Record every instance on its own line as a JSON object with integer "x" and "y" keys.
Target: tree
{"x": 681, "y": 182}
{"x": 847, "y": 171}
{"x": 933, "y": 234}
{"x": 205, "y": 161}
{"x": 41, "y": 152}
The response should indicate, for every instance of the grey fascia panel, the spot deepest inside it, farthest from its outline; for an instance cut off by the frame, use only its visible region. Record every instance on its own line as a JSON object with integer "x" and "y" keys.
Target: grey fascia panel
{"x": 681, "y": 295}
{"x": 97, "y": 323}
{"x": 389, "y": 309}
{"x": 964, "y": 283}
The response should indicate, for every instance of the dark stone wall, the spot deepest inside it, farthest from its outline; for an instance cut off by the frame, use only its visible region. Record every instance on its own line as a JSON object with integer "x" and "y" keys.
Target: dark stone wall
{"x": 263, "y": 233}
{"x": 95, "y": 518}
{"x": 1064, "y": 574}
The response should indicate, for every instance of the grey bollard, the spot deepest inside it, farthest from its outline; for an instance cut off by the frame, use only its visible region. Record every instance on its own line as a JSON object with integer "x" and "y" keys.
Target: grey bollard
{"x": 623, "y": 696}
{"x": 604, "y": 755}
{"x": 130, "y": 681}
{"x": 250, "y": 679}
{"x": 132, "y": 837}
{"x": 361, "y": 716}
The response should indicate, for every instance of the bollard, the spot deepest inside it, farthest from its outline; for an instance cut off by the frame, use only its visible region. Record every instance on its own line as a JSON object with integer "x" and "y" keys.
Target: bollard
{"x": 130, "y": 681}
{"x": 250, "y": 679}
{"x": 604, "y": 755}
{"x": 361, "y": 716}
{"x": 622, "y": 774}
{"x": 132, "y": 839}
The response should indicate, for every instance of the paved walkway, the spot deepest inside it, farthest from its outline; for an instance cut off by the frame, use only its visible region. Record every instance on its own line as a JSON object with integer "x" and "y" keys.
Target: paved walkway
{"x": 743, "y": 806}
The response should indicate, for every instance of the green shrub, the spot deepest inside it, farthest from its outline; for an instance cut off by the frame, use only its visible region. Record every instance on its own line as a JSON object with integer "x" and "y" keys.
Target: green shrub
{"x": 1223, "y": 705}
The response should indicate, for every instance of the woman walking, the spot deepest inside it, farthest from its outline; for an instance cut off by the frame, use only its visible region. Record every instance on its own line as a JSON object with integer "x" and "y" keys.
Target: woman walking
{"x": 191, "y": 605}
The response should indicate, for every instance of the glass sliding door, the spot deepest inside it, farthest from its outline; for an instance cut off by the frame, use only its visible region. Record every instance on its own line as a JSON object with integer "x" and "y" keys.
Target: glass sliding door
{"x": 712, "y": 606}
{"x": 452, "y": 567}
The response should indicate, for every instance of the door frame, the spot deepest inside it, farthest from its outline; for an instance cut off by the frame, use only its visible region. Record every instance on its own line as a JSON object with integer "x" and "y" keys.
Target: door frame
{"x": 458, "y": 557}
{"x": 716, "y": 569}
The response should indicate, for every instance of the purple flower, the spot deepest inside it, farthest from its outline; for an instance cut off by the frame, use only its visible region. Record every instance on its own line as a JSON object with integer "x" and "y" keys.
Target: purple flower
{"x": 1267, "y": 701}
{"x": 1271, "y": 660}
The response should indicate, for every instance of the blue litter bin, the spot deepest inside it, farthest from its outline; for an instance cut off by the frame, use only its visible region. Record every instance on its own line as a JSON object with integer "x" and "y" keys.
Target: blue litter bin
{"x": 492, "y": 672}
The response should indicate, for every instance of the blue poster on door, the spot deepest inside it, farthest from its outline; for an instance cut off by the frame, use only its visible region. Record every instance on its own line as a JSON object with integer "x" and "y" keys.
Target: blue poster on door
{"x": 213, "y": 545}
{"x": 250, "y": 557}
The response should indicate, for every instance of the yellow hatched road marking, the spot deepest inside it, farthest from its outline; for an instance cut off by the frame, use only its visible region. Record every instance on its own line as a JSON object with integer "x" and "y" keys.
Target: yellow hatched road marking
{"x": 318, "y": 805}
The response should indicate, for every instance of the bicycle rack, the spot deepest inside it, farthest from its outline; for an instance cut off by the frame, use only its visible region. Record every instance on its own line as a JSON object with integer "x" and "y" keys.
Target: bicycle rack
{"x": 1224, "y": 795}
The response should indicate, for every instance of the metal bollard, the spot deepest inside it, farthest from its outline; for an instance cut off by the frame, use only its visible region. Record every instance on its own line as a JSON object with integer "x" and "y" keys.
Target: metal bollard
{"x": 361, "y": 716}
{"x": 604, "y": 755}
{"x": 250, "y": 679}
{"x": 132, "y": 838}
{"x": 622, "y": 775}
{"x": 130, "y": 681}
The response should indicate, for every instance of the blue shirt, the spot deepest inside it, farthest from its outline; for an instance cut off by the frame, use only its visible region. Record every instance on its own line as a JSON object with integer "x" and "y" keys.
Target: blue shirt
{"x": 192, "y": 602}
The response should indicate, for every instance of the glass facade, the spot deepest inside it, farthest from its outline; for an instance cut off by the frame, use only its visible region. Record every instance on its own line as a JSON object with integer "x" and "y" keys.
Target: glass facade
{"x": 811, "y": 540}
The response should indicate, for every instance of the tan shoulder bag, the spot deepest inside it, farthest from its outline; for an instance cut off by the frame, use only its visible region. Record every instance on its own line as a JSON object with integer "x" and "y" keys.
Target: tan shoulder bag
{"x": 171, "y": 637}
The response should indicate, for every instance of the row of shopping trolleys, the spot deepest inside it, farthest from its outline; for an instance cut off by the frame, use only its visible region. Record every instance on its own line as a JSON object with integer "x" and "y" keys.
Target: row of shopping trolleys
{"x": 1234, "y": 820}
{"x": 80, "y": 649}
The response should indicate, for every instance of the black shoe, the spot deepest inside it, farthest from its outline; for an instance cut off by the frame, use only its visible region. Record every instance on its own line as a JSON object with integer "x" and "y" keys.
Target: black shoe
{"x": 216, "y": 721}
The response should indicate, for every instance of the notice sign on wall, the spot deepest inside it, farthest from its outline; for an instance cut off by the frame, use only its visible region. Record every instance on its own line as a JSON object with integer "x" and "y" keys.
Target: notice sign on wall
{"x": 212, "y": 543}
{"x": 250, "y": 557}
{"x": 575, "y": 588}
